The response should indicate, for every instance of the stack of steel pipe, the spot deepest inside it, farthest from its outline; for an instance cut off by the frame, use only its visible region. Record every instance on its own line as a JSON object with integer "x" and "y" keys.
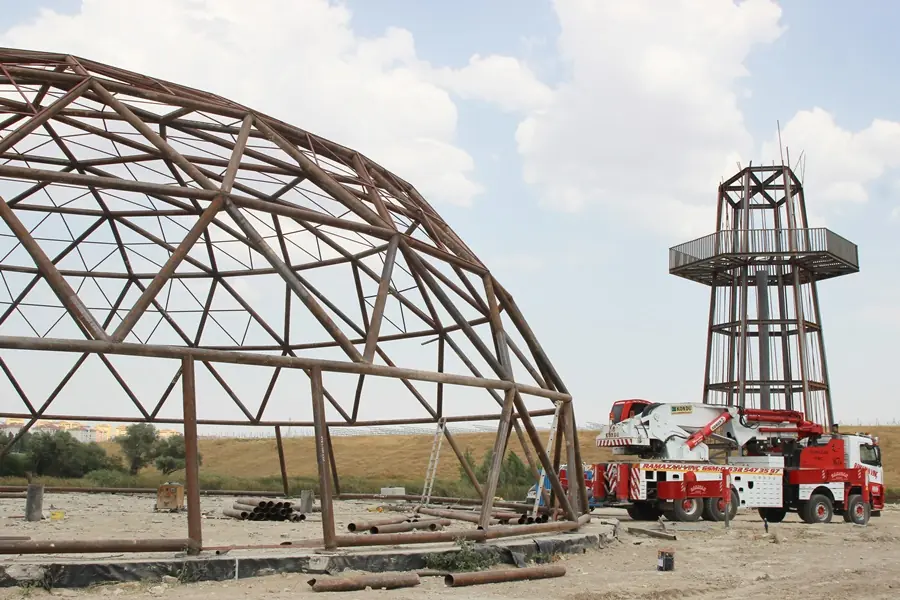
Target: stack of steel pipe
{"x": 263, "y": 509}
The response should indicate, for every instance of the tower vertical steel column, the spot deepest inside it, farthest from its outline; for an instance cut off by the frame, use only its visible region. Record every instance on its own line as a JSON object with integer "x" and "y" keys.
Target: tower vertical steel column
{"x": 765, "y": 347}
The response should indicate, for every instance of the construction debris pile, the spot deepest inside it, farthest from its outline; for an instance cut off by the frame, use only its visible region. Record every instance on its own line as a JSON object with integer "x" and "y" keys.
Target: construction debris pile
{"x": 263, "y": 509}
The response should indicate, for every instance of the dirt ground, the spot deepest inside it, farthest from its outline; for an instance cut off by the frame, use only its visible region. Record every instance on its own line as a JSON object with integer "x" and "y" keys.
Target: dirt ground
{"x": 124, "y": 516}
{"x": 792, "y": 561}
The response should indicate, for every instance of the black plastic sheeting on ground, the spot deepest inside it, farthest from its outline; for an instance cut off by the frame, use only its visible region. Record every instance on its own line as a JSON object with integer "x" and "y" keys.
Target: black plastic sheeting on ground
{"x": 223, "y": 567}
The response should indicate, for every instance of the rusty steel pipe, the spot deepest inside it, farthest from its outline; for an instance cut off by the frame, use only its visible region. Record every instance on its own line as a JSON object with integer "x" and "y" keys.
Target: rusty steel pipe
{"x": 249, "y": 358}
{"x": 442, "y": 500}
{"x": 471, "y": 517}
{"x": 253, "y": 501}
{"x": 430, "y": 524}
{"x": 504, "y": 575}
{"x": 93, "y": 546}
{"x": 478, "y": 535}
{"x": 376, "y": 581}
{"x": 506, "y": 516}
{"x": 367, "y": 525}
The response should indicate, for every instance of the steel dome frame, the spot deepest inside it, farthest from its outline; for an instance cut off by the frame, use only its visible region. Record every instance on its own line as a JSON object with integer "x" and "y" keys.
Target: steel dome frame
{"x": 244, "y": 167}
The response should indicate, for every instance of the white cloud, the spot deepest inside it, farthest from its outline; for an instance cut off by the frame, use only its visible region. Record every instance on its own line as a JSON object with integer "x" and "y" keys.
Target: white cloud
{"x": 648, "y": 119}
{"x": 503, "y": 80}
{"x": 647, "y": 122}
{"x": 840, "y": 164}
{"x": 298, "y": 60}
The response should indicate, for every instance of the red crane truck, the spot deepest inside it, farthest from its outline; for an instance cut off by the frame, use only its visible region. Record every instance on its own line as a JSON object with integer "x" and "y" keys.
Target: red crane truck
{"x": 778, "y": 462}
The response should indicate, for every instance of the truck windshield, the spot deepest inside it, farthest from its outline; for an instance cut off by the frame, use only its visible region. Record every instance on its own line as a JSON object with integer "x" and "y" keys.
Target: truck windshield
{"x": 617, "y": 412}
{"x": 870, "y": 455}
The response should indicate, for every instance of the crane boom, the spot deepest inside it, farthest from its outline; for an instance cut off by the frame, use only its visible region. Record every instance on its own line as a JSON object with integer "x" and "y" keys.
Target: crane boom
{"x": 681, "y": 431}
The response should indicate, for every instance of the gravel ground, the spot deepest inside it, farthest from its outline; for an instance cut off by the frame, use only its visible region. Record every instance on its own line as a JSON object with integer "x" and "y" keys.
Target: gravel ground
{"x": 122, "y": 516}
{"x": 792, "y": 561}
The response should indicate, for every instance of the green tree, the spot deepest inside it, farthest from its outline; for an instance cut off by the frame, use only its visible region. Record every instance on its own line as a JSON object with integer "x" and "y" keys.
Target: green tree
{"x": 513, "y": 471}
{"x": 469, "y": 459}
{"x": 14, "y": 464}
{"x": 138, "y": 445}
{"x": 169, "y": 454}
{"x": 59, "y": 454}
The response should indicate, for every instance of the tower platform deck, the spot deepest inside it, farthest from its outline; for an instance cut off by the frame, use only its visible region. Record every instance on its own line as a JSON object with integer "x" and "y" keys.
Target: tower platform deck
{"x": 819, "y": 253}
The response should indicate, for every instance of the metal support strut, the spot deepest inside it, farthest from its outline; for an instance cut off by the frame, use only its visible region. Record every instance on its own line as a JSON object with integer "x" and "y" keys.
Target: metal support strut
{"x": 540, "y": 485}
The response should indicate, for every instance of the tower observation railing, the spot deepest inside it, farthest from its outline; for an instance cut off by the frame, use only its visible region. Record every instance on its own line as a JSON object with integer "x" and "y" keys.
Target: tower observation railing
{"x": 773, "y": 242}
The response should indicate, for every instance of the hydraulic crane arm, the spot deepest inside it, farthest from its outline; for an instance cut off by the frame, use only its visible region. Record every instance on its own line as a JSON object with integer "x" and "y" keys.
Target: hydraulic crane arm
{"x": 693, "y": 441}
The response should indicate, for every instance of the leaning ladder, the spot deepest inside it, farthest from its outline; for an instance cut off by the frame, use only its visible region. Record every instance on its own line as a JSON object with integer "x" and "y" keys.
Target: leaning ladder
{"x": 540, "y": 485}
{"x": 431, "y": 471}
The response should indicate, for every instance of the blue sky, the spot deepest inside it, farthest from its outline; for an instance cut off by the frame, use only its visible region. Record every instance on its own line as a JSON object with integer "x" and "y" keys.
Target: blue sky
{"x": 593, "y": 280}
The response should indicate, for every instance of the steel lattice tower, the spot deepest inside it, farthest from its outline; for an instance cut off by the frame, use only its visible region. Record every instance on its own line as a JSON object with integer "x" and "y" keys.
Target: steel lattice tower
{"x": 765, "y": 347}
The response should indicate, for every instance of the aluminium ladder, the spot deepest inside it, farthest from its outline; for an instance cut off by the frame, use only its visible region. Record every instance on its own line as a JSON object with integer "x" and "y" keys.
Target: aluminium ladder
{"x": 431, "y": 471}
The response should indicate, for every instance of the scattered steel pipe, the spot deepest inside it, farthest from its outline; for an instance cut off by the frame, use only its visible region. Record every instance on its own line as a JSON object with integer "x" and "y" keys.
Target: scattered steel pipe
{"x": 248, "y": 507}
{"x": 471, "y": 517}
{"x": 479, "y": 535}
{"x": 376, "y": 581}
{"x": 430, "y": 524}
{"x": 93, "y": 546}
{"x": 506, "y": 515}
{"x": 442, "y": 500}
{"x": 500, "y": 576}
{"x": 13, "y": 495}
{"x": 368, "y": 525}
{"x": 236, "y": 514}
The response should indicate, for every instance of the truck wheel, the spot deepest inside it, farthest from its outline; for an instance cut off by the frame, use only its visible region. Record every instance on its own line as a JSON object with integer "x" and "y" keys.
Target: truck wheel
{"x": 772, "y": 514}
{"x": 857, "y": 512}
{"x": 714, "y": 508}
{"x": 819, "y": 509}
{"x": 688, "y": 510}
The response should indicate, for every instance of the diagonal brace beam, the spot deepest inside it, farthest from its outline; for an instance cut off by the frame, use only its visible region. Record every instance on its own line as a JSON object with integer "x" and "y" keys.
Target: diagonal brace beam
{"x": 290, "y": 278}
{"x": 321, "y": 178}
{"x": 57, "y": 282}
{"x": 381, "y": 300}
{"x": 168, "y": 269}
{"x": 43, "y": 116}
{"x": 189, "y": 240}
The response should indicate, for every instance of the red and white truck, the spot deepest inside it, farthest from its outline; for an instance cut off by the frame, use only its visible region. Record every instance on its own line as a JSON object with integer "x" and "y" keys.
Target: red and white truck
{"x": 777, "y": 462}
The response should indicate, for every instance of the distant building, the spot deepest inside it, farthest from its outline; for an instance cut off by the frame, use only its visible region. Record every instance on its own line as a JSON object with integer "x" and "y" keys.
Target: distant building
{"x": 120, "y": 431}
{"x": 167, "y": 433}
{"x": 84, "y": 434}
{"x": 103, "y": 432}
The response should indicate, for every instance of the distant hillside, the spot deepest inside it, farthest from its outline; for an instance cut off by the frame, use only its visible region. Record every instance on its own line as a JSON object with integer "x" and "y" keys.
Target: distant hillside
{"x": 405, "y": 457}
